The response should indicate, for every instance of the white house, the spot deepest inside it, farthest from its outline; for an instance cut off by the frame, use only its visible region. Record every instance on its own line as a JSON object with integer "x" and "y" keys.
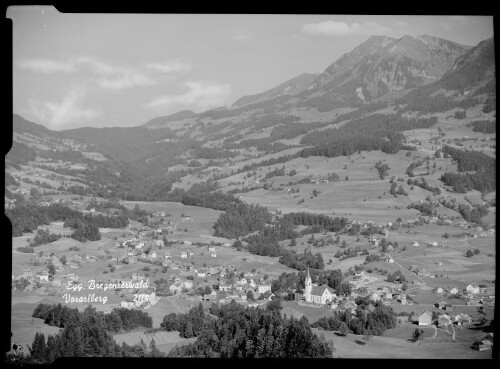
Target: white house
{"x": 454, "y": 290}
{"x": 184, "y": 255}
{"x": 201, "y": 274}
{"x": 415, "y": 243}
{"x": 211, "y": 248}
{"x": 472, "y": 289}
{"x": 43, "y": 277}
{"x": 262, "y": 288}
{"x": 213, "y": 255}
{"x": 153, "y": 255}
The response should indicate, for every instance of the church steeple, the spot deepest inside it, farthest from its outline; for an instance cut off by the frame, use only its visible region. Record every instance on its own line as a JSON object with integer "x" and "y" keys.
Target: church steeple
{"x": 308, "y": 287}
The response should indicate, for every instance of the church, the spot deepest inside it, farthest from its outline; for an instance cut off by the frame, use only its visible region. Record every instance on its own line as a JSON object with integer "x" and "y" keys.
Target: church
{"x": 317, "y": 294}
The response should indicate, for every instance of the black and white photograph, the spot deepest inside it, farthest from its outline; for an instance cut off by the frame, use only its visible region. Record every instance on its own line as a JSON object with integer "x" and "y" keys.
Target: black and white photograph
{"x": 188, "y": 185}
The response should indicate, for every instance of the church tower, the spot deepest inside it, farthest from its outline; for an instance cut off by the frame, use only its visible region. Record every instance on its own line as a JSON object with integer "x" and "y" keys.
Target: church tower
{"x": 308, "y": 287}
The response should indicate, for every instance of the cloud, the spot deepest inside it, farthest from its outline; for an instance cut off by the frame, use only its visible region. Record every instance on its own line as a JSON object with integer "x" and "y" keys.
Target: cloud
{"x": 341, "y": 29}
{"x": 126, "y": 80}
{"x": 200, "y": 96}
{"x": 46, "y": 66}
{"x": 115, "y": 76}
{"x": 69, "y": 110}
{"x": 242, "y": 37}
{"x": 174, "y": 66}
{"x": 110, "y": 76}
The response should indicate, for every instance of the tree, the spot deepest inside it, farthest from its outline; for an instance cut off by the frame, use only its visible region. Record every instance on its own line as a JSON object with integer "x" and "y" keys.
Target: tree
{"x": 476, "y": 252}
{"x": 52, "y": 269}
{"x": 274, "y": 305}
{"x": 250, "y": 296}
{"x": 153, "y": 350}
{"x": 63, "y": 259}
{"x": 343, "y": 329}
{"x": 417, "y": 335}
{"x": 293, "y": 242}
{"x": 469, "y": 253}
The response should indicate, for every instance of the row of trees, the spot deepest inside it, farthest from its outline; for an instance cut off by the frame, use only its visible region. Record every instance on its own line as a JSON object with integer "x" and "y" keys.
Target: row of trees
{"x": 423, "y": 184}
{"x": 365, "y": 322}
{"x": 119, "y": 319}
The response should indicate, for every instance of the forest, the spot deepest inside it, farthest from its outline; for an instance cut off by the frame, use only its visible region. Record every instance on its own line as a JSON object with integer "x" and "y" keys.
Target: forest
{"x": 240, "y": 332}
{"x": 241, "y": 219}
{"x": 374, "y": 132}
{"x": 484, "y": 178}
{"x": 483, "y": 126}
{"x": 87, "y": 334}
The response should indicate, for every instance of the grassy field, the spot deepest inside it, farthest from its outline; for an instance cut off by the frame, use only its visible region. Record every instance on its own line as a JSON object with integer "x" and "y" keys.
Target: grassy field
{"x": 387, "y": 347}
{"x": 199, "y": 227}
{"x": 165, "y": 341}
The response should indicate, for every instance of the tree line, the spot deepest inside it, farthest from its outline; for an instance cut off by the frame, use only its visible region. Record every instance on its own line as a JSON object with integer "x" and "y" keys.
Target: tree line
{"x": 365, "y": 322}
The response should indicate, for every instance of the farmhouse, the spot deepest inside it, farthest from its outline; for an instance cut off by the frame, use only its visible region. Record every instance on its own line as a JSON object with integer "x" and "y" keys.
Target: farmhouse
{"x": 462, "y": 319}
{"x": 184, "y": 255}
{"x": 454, "y": 290}
{"x": 388, "y": 259}
{"x": 211, "y": 248}
{"x": 472, "y": 289}
{"x": 43, "y": 277}
{"x": 415, "y": 243}
{"x": 438, "y": 290}
{"x": 440, "y": 304}
{"x": 425, "y": 318}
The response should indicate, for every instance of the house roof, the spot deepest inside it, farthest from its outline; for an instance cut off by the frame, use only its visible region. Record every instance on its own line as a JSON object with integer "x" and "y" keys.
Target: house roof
{"x": 425, "y": 314}
{"x": 320, "y": 290}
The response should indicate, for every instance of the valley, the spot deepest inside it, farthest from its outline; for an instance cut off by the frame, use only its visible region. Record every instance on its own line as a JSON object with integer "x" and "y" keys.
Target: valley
{"x": 339, "y": 195}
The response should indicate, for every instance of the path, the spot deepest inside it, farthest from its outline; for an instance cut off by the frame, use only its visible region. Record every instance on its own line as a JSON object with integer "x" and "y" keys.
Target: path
{"x": 182, "y": 221}
{"x": 172, "y": 302}
{"x": 419, "y": 278}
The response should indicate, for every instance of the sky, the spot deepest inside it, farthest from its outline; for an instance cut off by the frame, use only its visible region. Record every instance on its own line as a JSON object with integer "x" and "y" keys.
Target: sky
{"x": 75, "y": 70}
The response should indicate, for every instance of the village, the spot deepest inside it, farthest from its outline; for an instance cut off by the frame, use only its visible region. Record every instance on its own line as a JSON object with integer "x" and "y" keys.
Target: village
{"x": 191, "y": 271}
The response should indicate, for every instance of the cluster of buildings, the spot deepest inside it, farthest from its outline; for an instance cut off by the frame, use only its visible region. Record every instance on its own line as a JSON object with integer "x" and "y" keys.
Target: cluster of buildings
{"x": 443, "y": 320}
